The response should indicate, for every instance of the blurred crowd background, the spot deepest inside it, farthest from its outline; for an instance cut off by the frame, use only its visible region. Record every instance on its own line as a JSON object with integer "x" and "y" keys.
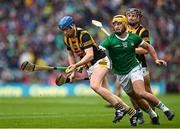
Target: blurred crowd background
{"x": 28, "y": 31}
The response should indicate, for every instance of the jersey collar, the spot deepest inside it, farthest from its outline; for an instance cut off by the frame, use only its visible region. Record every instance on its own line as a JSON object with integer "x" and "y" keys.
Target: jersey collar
{"x": 122, "y": 38}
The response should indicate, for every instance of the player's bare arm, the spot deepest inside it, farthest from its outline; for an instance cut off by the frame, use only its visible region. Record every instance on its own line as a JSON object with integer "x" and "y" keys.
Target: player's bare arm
{"x": 145, "y": 37}
{"x": 153, "y": 53}
{"x": 141, "y": 51}
{"x": 71, "y": 57}
{"x": 87, "y": 58}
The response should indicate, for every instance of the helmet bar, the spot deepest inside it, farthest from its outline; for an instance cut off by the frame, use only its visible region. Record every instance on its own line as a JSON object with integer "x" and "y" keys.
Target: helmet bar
{"x": 135, "y": 10}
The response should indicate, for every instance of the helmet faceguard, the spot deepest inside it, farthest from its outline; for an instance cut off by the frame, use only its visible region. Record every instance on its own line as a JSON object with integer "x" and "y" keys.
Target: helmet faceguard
{"x": 135, "y": 11}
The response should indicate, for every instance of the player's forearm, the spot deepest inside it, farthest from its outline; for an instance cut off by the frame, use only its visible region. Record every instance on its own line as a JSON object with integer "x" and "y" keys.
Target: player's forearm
{"x": 152, "y": 52}
{"x": 141, "y": 51}
{"x": 86, "y": 59}
{"x": 71, "y": 58}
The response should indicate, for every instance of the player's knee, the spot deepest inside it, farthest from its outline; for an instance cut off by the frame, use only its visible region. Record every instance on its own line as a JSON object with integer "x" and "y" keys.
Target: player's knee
{"x": 117, "y": 84}
{"x": 141, "y": 94}
{"x": 94, "y": 86}
{"x": 148, "y": 89}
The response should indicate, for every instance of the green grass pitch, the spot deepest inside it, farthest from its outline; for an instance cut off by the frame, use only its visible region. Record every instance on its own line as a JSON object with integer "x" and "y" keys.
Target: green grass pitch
{"x": 74, "y": 112}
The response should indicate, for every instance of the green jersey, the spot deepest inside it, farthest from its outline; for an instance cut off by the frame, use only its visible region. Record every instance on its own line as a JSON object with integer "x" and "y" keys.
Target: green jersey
{"x": 122, "y": 52}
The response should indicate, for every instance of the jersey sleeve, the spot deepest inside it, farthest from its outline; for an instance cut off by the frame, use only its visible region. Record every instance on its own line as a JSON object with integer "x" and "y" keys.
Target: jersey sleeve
{"x": 105, "y": 44}
{"x": 138, "y": 40}
{"x": 145, "y": 35}
{"x": 87, "y": 41}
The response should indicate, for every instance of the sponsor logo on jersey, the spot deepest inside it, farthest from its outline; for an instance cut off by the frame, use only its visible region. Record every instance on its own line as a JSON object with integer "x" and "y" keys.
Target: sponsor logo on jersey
{"x": 118, "y": 45}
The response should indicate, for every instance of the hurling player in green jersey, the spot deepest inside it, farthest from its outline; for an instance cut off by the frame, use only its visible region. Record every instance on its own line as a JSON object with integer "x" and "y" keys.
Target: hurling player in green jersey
{"x": 121, "y": 47}
{"x": 134, "y": 16}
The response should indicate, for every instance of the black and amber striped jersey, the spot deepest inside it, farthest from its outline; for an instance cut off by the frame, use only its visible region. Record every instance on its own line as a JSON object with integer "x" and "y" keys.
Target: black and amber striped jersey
{"x": 82, "y": 41}
{"x": 144, "y": 34}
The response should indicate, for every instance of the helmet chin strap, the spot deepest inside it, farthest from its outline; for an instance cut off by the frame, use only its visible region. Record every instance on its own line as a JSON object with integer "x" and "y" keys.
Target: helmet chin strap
{"x": 74, "y": 28}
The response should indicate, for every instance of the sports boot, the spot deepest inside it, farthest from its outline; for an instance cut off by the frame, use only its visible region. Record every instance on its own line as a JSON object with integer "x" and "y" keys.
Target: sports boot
{"x": 133, "y": 119}
{"x": 169, "y": 114}
{"x": 119, "y": 114}
{"x": 140, "y": 119}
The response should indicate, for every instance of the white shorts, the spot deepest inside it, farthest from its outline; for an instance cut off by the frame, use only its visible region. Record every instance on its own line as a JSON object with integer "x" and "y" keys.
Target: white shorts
{"x": 102, "y": 63}
{"x": 127, "y": 80}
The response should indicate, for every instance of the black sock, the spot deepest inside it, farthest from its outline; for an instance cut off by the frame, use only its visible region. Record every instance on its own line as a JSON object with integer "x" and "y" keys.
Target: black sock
{"x": 118, "y": 106}
{"x": 131, "y": 111}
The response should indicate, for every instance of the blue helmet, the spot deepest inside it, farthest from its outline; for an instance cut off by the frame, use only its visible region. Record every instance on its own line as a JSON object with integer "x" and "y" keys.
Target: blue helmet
{"x": 65, "y": 22}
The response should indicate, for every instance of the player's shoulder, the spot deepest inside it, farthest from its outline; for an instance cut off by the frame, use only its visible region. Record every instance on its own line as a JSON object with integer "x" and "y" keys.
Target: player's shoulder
{"x": 111, "y": 36}
{"x": 142, "y": 29}
{"x": 82, "y": 31}
{"x": 132, "y": 35}
{"x": 143, "y": 32}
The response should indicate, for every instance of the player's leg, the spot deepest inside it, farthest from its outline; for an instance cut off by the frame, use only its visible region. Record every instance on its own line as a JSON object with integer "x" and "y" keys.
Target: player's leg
{"x": 147, "y": 83}
{"x": 139, "y": 88}
{"x": 105, "y": 84}
{"x": 140, "y": 119}
{"x": 148, "y": 87}
{"x": 144, "y": 105}
{"x": 117, "y": 90}
{"x": 146, "y": 76}
{"x": 127, "y": 86}
{"x": 152, "y": 99}
{"x": 96, "y": 80}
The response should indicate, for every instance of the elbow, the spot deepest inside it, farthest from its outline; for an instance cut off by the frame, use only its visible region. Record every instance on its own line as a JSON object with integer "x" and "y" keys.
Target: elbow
{"x": 146, "y": 52}
{"x": 149, "y": 49}
{"x": 91, "y": 57}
